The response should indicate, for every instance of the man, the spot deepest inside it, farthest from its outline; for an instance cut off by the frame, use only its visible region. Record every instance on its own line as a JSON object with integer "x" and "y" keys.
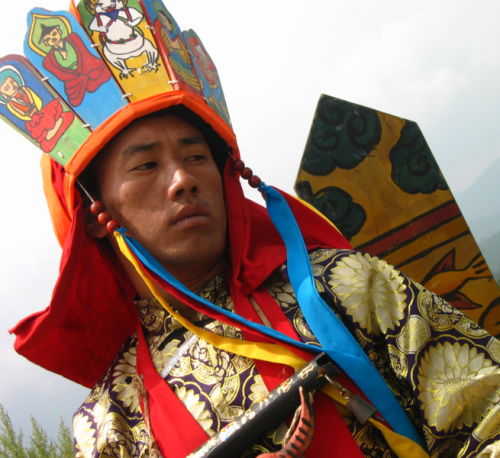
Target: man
{"x": 158, "y": 178}
{"x": 188, "y": 369}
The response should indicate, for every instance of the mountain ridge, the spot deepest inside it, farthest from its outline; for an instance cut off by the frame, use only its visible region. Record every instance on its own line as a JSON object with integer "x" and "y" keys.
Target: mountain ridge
{"x": 481, "y": 198}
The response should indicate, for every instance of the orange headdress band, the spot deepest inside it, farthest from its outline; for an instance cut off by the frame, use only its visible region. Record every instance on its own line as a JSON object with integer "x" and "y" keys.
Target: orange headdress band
{"x": 61, "y": 212}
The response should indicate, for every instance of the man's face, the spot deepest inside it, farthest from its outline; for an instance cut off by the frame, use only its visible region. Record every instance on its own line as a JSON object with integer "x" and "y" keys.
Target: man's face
{"x": 105, "y": 6}
{"x": 9, "y": 87}
{"x": 53, "y": 38}
{"x": 166, "y": 22}
{"x": 159, "y": 180}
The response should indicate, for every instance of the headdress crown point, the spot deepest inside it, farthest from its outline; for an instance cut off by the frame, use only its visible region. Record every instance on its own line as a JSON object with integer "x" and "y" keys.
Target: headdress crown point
{"x": 105, "y": 56}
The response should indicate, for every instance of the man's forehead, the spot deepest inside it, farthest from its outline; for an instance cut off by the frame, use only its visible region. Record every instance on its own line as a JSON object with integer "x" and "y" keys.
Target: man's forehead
{"x": 136, "y": 136}
{"x": 160, "y": 123}
{"x": 142, "y": 145}
{"x": 151, "y": 131}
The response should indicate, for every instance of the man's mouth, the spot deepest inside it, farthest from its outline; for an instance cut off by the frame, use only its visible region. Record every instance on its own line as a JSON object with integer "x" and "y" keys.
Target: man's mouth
{"x": 192, "y": 215}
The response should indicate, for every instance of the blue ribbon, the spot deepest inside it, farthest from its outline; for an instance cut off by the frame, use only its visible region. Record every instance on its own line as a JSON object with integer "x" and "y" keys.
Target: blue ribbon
{"x": 154, "y": 266}
{"x": 335, "y": 339}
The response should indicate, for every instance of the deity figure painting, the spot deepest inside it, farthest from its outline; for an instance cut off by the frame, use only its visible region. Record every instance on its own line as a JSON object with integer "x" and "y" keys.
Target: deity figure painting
{"x": 173, "y": 40}
{"x": 58, "y": 46}
{"x": 44, "y": 123}
{"x": 69, "y": 60}
{"x": 120, "y": 36}
{"x": 205, "y": 65}
{"x": 208, "y": 75}
{"x": 176, "y": 47}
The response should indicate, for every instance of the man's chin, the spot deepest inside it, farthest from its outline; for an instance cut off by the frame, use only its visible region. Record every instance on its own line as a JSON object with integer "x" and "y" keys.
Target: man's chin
{"x": 192, "y": 261}
{"x": 187, "y": 253}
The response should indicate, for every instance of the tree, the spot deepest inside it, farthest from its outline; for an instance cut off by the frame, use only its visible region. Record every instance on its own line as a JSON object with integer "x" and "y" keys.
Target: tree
{"x": 40, "y": 446}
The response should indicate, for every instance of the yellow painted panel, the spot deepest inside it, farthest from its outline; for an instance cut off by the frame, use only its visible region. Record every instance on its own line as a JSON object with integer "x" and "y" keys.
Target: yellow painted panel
{"x": 373, "y": 175}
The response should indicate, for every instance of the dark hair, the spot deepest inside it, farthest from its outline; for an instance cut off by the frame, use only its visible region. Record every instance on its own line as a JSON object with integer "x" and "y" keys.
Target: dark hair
{"x": 46, "y": 30}
{"x": 218, "y": 147}
{"x": 161, "y": 13}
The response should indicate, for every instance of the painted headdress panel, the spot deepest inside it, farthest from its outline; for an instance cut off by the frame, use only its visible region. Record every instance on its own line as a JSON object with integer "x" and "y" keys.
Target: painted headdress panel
{"x": 208, "y": 75}
{"x": 32, "y": 107}
{"x": 98, "y": 67}
{"x": 59, "y": 47}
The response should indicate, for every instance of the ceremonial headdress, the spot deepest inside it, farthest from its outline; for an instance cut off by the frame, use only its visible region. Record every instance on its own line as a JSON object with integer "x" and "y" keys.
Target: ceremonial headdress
{"x": 87, "y": 74}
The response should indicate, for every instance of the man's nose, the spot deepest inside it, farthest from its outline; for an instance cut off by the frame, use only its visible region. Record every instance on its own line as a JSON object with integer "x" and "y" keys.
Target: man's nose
{"x": 183, "y": 184}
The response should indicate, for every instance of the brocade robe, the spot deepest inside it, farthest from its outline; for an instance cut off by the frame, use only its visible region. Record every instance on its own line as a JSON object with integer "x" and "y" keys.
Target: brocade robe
{"x": 443, "y": 369}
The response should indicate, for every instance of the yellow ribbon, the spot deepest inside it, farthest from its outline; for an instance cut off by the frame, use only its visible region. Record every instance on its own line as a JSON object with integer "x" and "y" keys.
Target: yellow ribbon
{"x": 274, "y": 353}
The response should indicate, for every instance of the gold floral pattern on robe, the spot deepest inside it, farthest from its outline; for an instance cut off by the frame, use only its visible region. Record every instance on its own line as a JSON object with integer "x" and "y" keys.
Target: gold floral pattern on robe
{"x": 443, "y": 368}
{"x": 84, "y": 435}
{"x": 458, "y": 386}
{"x": 124, "y": 370}
{"x": 371, "y": 291}
{"x": 197, "y": 408}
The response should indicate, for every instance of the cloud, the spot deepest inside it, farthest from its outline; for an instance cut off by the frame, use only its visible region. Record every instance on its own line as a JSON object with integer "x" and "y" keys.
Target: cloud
{"x": 30, "y": 390}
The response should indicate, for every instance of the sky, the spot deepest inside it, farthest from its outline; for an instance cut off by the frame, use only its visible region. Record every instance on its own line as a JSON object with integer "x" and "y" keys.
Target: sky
{"x": 436, "y": 63}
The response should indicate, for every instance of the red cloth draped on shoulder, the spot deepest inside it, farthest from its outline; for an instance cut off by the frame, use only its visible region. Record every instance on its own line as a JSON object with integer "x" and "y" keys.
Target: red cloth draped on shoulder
{"x": 91, "y": 313}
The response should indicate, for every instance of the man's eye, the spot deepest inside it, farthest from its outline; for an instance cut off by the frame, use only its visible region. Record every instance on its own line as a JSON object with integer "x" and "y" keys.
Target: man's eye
{"x": 195, "y": 157}
{"x": 146, "y": 166}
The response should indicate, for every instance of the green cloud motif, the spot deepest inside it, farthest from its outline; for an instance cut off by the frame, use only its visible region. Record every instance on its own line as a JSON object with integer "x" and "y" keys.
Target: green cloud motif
{"x": 414, "y": 168}
{"x": 337, "y": 205}
{"x": 342, "y": 135}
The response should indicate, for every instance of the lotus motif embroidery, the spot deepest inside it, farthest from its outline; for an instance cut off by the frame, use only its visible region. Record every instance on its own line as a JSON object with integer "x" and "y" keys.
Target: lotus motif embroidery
{"x": 371, "y": 290}
{"x": 458, "y": 385}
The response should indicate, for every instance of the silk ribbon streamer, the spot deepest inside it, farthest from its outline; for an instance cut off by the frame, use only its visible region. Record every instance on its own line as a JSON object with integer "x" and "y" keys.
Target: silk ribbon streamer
{"x": 334, "y": 337}
{"x": 320, "y": 317}
{"x": 401, "y": 445}
{"x": 331, "y": 333}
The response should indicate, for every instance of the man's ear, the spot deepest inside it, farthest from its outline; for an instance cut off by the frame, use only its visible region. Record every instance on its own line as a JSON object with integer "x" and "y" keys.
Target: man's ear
{"x": 92, "y": 226}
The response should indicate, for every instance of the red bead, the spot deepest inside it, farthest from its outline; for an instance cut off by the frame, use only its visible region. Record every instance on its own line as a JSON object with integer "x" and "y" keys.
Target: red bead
{"x": 97, "y": 207}
{"x": 104, "y": 218}
{"x": 246, "y": 173}
{"x": 112, "y": 226}
{"x": 238, "y": 165}
{"x": 254, "y": 181}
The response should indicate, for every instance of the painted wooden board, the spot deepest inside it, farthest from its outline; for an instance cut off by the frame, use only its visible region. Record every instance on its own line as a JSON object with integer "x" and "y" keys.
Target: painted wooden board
{"x": 33, "y": 108}
{"x": 58, "y": 47}
{"x": 172, "y": 45}
{"x": 374, "y": 176}
{"x": 125, "y": 41}
{"x": 208, "y": 75}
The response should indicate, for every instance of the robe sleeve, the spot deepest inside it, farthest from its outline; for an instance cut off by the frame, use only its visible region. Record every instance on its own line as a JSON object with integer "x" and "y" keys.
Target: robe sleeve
{"x": 442, "y": 367}
{"x": 36, "y": 99}
{"x": 110, "y": 423}
{"x": 17, "y": 113}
